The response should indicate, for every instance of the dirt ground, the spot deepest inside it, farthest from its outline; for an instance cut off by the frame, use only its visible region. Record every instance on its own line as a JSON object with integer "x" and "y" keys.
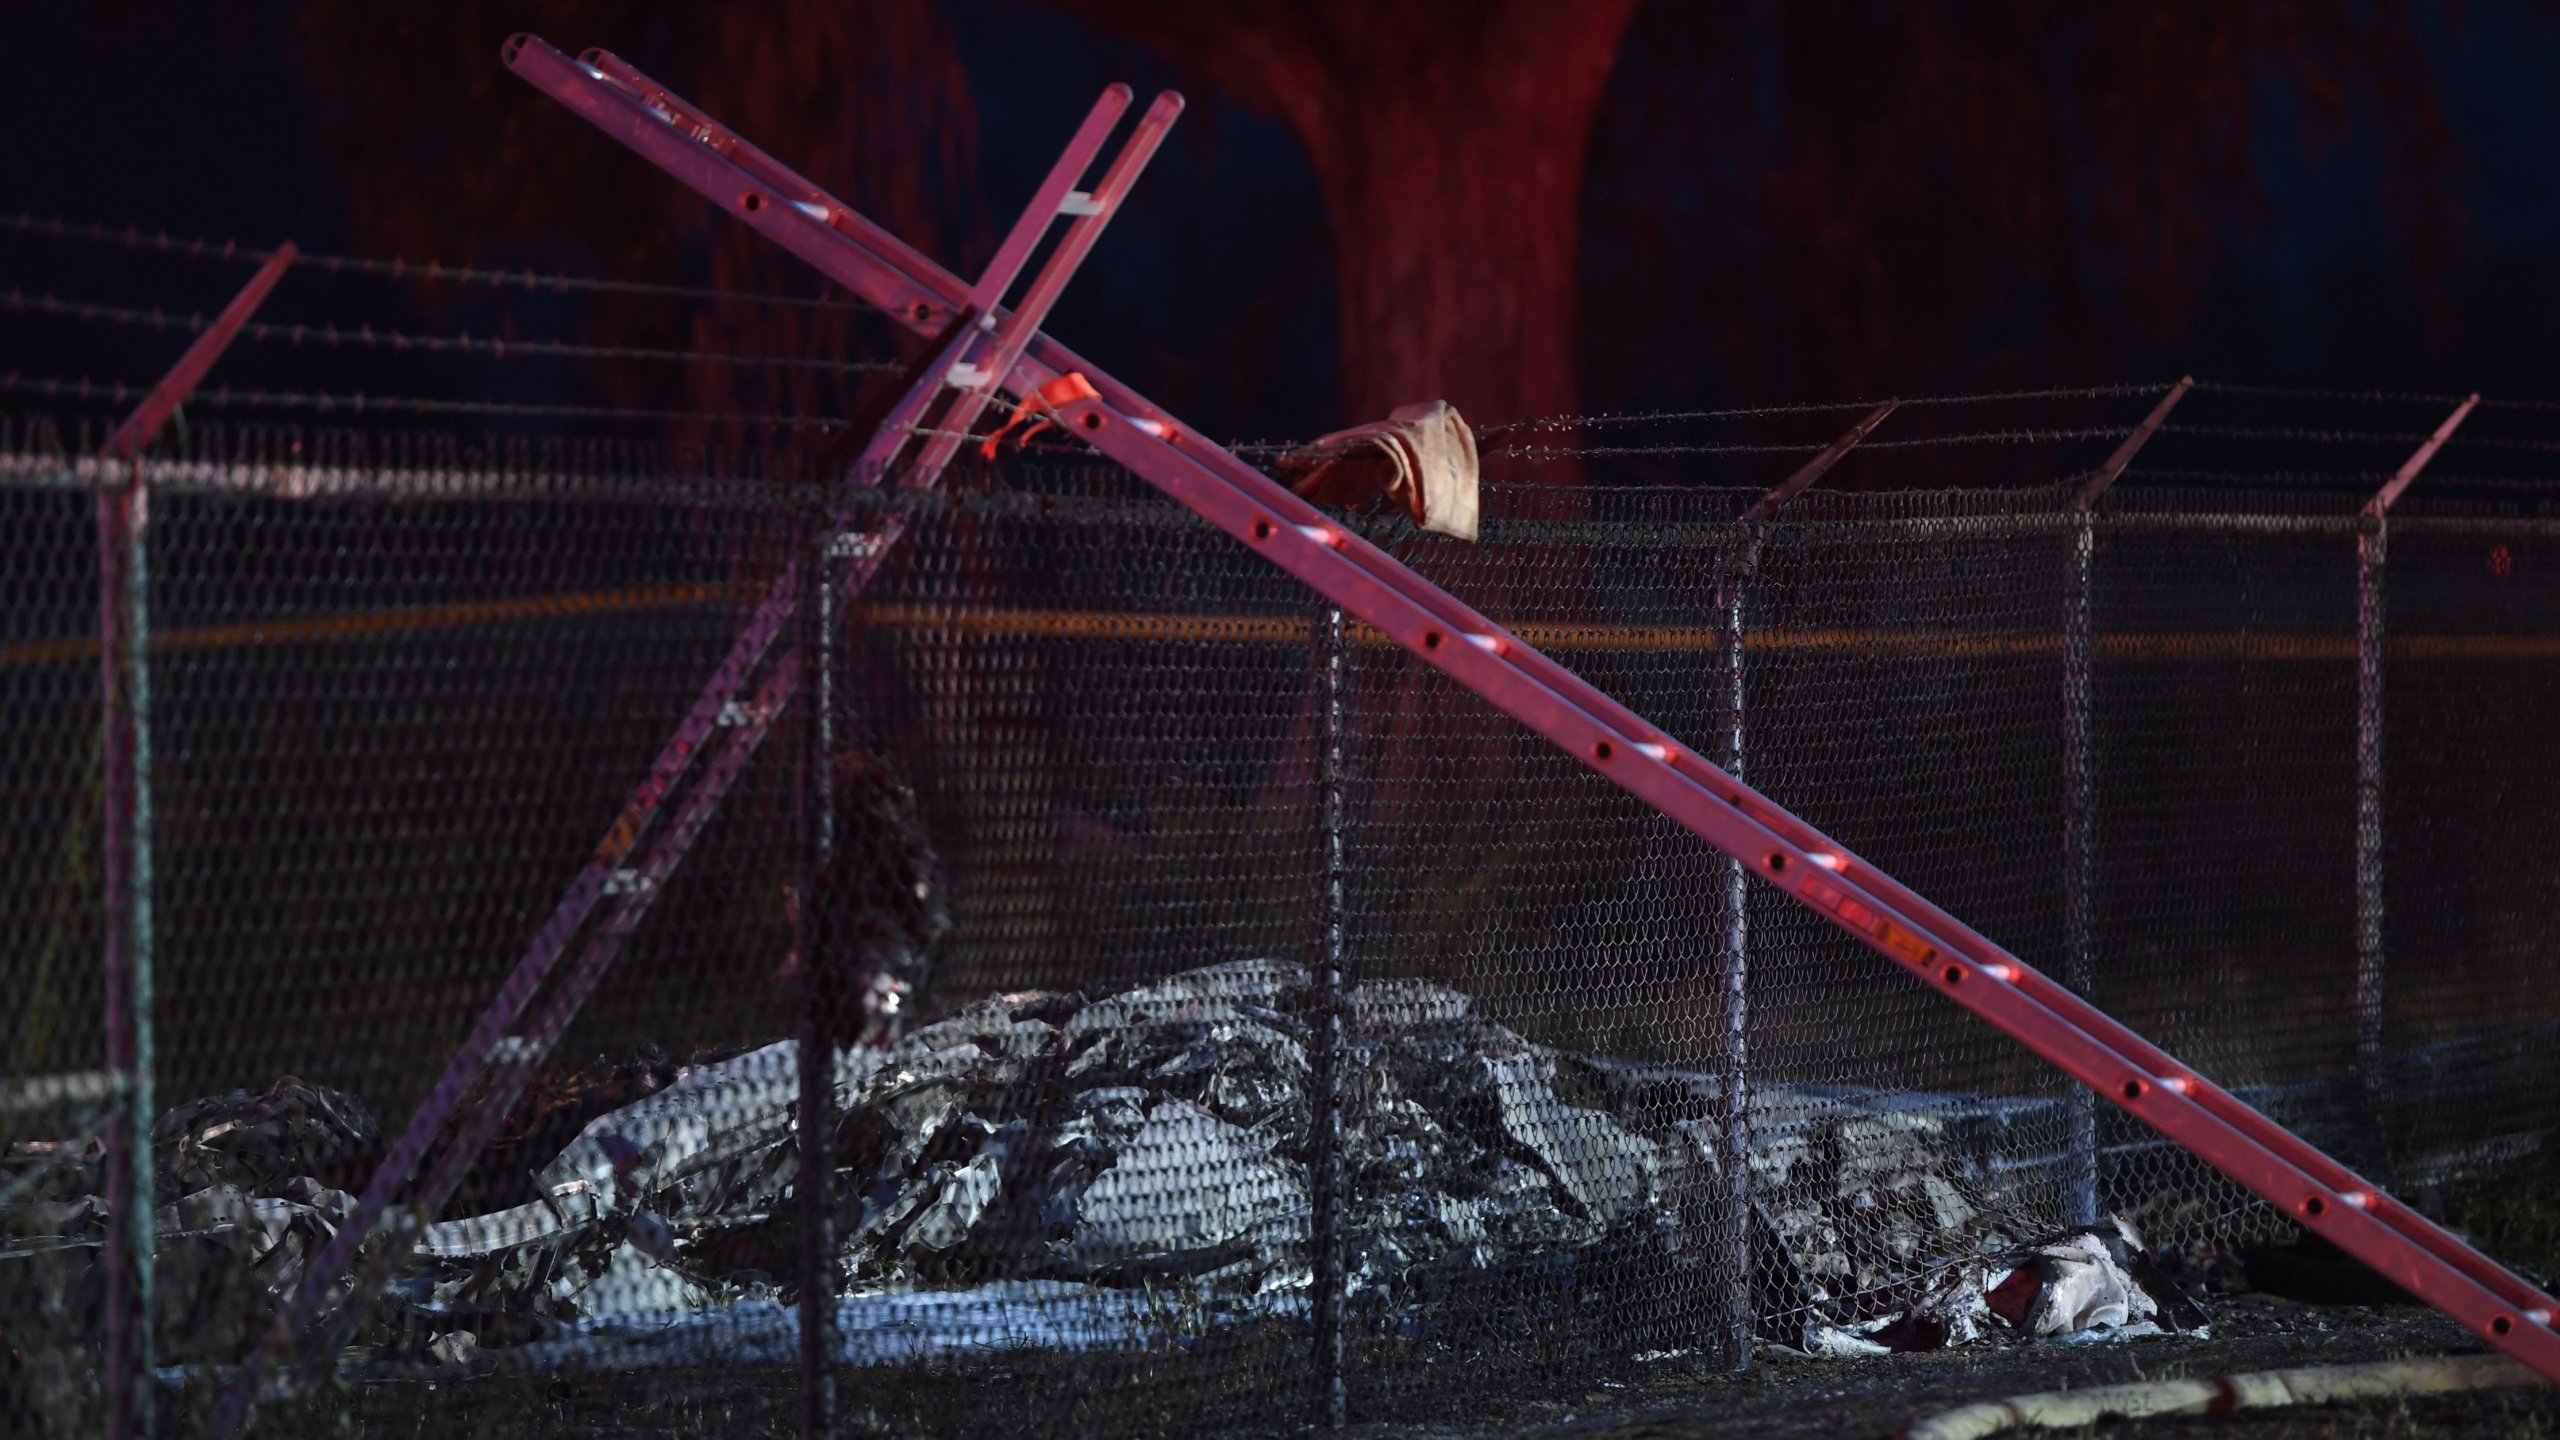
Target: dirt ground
{"x": 2512, "y": 1217}
{"x": 1252, "y": 1380}
{"x": 1783, "y": 1396}
{"x": 1780, "y": 1396}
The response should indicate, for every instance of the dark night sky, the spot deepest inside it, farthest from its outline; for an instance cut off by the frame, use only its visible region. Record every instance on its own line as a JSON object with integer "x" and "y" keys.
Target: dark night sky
{"x": 1213, "y": 290}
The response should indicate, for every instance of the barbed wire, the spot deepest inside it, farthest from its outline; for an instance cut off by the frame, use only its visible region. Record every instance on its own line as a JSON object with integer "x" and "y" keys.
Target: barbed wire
{"x": 2458, "y": 440}
{"x": 1825, "y": 407}
{"x": 2278, "y": 479}
{"x": 1970, "y": 437}
{"x": 134, "y": 238}
{"x": 2003, "y": 437}
{"x": 1667, "y": 417}
{"x": 116, "y": 392}
{"x": 2358, "y": 480}
{"x": 1579, "y": 452}
{"x": 434, "y": 271}
{"x": 2294, "y": 435}
{"x": 2383, "y": 397}
{"x": 365, "y": 336}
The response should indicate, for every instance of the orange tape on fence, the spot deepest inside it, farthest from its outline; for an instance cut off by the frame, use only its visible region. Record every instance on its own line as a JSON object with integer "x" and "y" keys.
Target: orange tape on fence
{"x": 995, "y": 622}
{"x": 367, "y": 624}
{"x": 998, "y": 622}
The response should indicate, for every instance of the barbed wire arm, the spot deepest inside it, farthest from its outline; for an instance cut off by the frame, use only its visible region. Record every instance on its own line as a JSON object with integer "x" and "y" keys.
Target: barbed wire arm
{"x": 2092, "y": 492}
{"x": 2380, "y": 504}
{"x": 1814, "y": 469}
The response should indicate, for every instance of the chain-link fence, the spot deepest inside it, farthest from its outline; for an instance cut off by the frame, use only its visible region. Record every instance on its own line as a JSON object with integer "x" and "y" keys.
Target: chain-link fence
{"x": 1230, "y": 1023}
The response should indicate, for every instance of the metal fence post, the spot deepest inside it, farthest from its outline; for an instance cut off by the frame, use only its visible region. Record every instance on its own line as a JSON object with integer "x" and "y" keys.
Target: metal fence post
{"x": 124, "y": 641}
{"x": 2079, "y": 856}
{"x": 2080, "y": 795}
{"x": 1324, "y": 1144}
{"x": 822, "y": 1000}
{"x": 1733, "y": 1088}
{"x": 1733, "y": 987}
{"x": 2372, "y": 555}
{"x": 2372, "y": 544}
{"x": 124, "y": 681}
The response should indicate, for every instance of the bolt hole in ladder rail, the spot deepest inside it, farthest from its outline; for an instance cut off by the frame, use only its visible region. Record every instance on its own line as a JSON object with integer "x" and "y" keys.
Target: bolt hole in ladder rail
{"x": 979, "y": 339}
{"x": 1765, "y": 839}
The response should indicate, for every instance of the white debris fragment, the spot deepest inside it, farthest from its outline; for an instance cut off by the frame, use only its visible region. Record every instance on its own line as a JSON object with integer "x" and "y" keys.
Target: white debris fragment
{"x": 1187, "y": 1184}
{"x": 2082, "y": 1288}
{"x": 1834, "y": 1342}
{"x": 965, "y": 1195}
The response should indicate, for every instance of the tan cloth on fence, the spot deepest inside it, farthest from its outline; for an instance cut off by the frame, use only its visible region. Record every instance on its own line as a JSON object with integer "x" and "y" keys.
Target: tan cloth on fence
{"x": 1421, "y": 457}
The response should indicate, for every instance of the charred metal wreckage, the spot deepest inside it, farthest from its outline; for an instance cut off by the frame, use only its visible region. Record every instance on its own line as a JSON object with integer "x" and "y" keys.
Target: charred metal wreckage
{"x": 1155, "y": 1138}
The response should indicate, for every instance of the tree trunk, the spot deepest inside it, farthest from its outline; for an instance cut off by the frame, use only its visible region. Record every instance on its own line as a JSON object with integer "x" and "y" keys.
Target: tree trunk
{"x": 1448, "y": 140}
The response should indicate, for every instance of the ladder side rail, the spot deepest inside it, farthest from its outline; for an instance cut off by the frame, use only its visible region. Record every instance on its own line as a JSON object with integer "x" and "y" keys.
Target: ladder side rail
{"x": 471, "y": 1059}
{"x": 525, "y": 979}
{"x": 962, "y": 368}
{"x": 953, "y": 360}
{"x": 1014, "y": 329}
{"x": 1047, "y": 202}
{"x": 734, "y": 177}
{"x": 507, "y": 1074}
{"x": 579, "y": 979}
{"x": 1705, "y": 801}
{"x": 2157, "y": 1062}
{"x": 941, "y": 293}
{"x": 510, "y": 1074}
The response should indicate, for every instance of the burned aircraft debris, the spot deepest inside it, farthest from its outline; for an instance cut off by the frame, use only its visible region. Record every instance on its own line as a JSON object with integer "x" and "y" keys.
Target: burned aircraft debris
{"x": 1158, "y": 1136}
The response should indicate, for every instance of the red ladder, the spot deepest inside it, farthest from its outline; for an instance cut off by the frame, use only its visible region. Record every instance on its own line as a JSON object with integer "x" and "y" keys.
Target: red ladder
{"x": 2273, "y": 1163}
{"x": 979, "y": 340}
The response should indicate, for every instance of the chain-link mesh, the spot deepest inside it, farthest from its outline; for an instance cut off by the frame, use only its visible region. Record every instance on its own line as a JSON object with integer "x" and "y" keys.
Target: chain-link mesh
{"x": 1233, "y": 1023}
{"x": 59, "y": 1097}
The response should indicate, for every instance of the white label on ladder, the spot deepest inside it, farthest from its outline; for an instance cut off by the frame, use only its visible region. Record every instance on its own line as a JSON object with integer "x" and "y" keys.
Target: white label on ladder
{"x": 626, "y": 882}
{"x": 860, "y": 545}
{"x": 734, "y": 713}
{"x": 509, "y": 1049}
{"x": 1079, "y": 202}
{"x": 965, "y": 376}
